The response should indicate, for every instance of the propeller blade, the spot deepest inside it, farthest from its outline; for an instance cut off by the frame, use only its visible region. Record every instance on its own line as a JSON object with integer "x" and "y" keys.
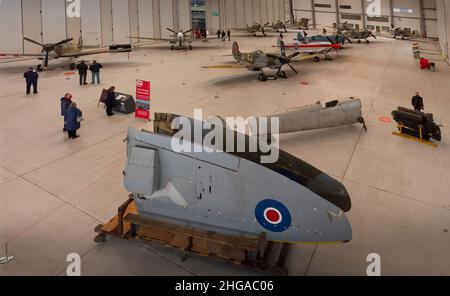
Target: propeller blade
{"x": 266, "y": 24}
{"x": 373, "y": 35}
{"x": 171, "y": 31}
{"x": 349, "y": 40}
{"x": 329, "y": 39}
{"x": 293, "y": 69}
{"x": 32, "y": 41}
{"x": 63, "y": 42}
{"x": 188, "y": 31}
{"x": 293, "y": 55}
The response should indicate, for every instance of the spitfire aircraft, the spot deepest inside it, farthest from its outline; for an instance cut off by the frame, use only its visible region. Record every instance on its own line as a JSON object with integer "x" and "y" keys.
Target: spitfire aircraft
{"x": 178, "y": 40}
{"x": 359, "y": 35}
{"x": 64, "y": 49}
{"x": 334, "y": 39}
{"x": 257, "y": 28}
{"x": 402, "y": 33}
{"x": 280, "y": 26}
{"x": 258, "y": 60}
{"x": 302, "y": 24}
{"x": 350, "y": 33}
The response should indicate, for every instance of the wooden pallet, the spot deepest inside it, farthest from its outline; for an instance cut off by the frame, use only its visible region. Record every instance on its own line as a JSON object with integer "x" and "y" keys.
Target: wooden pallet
{"x": 255, "y": 252}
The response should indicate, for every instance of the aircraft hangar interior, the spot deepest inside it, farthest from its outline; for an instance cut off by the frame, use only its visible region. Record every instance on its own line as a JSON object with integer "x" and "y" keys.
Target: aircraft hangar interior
{"x": 224, "y": 137}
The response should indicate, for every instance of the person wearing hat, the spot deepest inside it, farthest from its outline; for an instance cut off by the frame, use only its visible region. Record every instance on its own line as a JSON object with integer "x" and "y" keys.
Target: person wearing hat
{"x": 31, "y": 78}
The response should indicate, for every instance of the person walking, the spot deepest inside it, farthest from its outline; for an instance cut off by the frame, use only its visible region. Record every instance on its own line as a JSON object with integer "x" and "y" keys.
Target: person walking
{"x": 31, "y": 78}
{"x": 73, "y": 118}
{"x": 219, "y": 33}
{"x": 66, "y": 101}
{"x": 82, "y": 72}
{"x": 324, "y": 31}
{"x": 229, "y": 35}
{"x": 95, "y": 71}
{"x": 417, "y": 102}
{"x": 110, "y": 101}
{"x": 224, "y": 35}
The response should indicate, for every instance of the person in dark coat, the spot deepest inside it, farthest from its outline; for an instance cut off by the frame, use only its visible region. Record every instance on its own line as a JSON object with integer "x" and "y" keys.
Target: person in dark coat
{"x": 229, "y": 35}
{"x": 110, "y": 101}
{"x": 66, "y": 101}
{"x": 219, "y": 33}
{"x": 95, "y": 71}
{"x": 73, "y": 119}
{"x": 224, "y": 35}
{"x": 417, "y": 102}
{"x": 31, "y": 78}
{"x": 82, "y": 72}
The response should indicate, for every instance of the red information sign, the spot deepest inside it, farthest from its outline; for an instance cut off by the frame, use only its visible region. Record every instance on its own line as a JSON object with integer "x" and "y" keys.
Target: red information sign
{"x": 143, "y": 99}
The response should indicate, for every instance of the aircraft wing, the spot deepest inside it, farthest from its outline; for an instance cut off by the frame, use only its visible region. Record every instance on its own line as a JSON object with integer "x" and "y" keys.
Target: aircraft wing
{"x": 96, "y": 51}
{"x": 152, "y": 39}
{"x": 17, "y": 57}
{"x": 235, "y": 66}
{"x": 303, "y": 57}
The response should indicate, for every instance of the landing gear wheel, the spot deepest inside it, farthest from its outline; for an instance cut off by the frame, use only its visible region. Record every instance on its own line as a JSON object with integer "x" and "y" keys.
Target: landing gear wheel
{"x": 72, "y": 66}
{"x": 359, "y": 41}
{"x": 282, "y": 74}
{"x": 316, "y": 59}
{"x": 262, "y": 77}
{"x": 39, "y": 68}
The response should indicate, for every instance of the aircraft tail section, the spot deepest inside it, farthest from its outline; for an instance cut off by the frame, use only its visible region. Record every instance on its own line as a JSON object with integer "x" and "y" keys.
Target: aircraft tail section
{"x": 236, "y": 52}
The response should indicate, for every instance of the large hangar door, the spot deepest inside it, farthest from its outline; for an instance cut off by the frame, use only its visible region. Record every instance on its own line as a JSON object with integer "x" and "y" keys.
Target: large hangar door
{"x": 257, "y": 11}
{"x": 91, "y": 24}
{"x": 146, "y": 22}
{"x": 121, "y": 21}
{"x": 248, "y": 12}
{"x": 230, "y": 8}
{"x": 32, "y": 25}
{"x": 107, "y": 22}
{"x": 166, "y": 17}
{"x": 53, "y": 21}
{"x": 240, "y": 14}
{"x": 11, "y": 26}
{"x": 134, "y": 18}
{"x": 264, "y": 16}
{"x": 184, "y": 15}
{"x": 73, "y": 21}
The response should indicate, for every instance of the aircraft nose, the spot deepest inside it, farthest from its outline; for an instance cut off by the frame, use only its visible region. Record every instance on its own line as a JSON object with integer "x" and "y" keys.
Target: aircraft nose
{"x": 332, "y": 191}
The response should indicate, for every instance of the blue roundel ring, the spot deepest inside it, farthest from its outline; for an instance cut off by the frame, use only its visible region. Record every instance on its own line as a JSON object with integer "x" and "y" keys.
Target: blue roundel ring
{"x": 273, "y": 215}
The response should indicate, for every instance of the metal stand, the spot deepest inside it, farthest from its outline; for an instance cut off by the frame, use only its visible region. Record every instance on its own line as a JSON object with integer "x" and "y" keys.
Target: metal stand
{"x": 7, "y": 258}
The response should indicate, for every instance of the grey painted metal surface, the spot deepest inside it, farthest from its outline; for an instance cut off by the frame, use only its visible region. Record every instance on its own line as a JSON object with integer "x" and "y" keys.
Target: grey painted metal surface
{"x": 230, "y": 194}
{"x": 336, "y": 113}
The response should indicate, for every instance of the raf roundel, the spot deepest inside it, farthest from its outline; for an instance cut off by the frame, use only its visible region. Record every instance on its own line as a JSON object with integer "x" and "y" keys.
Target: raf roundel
{"x": 273, "y": 215}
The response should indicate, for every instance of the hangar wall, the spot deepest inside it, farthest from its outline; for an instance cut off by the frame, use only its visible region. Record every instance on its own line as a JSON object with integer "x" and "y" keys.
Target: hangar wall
{"x": 228, "y": 14}
{"x": 104, "y": 22}
{"x": 443, "y": 15}
{"x": 418, "y": 15}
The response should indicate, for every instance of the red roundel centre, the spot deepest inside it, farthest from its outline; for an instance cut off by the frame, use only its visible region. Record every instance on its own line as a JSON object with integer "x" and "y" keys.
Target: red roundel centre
{"x": 273, "y": 216}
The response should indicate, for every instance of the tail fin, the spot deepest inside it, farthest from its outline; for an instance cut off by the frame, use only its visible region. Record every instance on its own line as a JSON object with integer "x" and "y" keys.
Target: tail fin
{"x": 236, "y": 52}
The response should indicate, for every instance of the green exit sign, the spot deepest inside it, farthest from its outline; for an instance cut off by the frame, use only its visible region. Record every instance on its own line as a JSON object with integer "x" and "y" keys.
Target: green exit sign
{"x": 215, "y": 13}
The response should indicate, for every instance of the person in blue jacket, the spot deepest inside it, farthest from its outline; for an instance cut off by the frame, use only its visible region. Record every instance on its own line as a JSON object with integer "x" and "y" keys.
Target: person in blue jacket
{"x": 73, "y": 119}
{"x": 66, "y": 101}
{"x": 31, "y": 78}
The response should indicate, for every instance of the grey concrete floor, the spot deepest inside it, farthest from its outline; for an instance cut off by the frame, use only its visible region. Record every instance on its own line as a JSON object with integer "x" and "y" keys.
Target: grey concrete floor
{"x": 53, "y": 191}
